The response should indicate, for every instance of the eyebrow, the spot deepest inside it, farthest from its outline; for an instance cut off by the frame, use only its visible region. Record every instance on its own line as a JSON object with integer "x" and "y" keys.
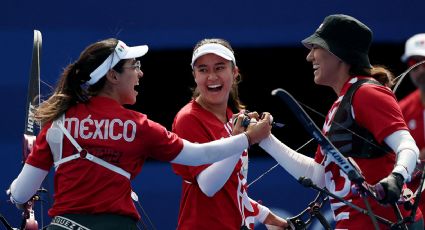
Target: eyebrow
{"x": 216, "y": 64}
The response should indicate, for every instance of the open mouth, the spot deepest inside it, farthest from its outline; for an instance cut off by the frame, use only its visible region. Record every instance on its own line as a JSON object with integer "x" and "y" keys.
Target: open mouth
{"x": 137, "y": 88}
{"x": 315, "y": 68}
{"x": 214, "y": 88}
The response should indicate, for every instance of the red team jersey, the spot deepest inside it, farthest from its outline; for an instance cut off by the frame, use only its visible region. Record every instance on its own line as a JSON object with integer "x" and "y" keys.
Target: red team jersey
{"x": 231, "y": 204}
{"x": 376, "y": 109}
{"x": 413, "y": 112}
{"x": 115, "y": 134}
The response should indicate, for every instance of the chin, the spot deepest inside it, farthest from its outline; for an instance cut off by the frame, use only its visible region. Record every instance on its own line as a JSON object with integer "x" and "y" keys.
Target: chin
{"x": 130, "y": 102}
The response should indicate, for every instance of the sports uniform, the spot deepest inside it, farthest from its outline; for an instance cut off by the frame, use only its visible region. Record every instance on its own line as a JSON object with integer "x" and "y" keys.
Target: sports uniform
{"x": 384, "y": 150}
{"x": 381, "y": 121}
{"x": 115, "y": 134}
{"x": 97, "y": 146}
{"x": 230, "y": 207}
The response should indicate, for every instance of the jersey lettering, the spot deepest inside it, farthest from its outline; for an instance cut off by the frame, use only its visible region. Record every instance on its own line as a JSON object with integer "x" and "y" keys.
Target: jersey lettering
{"x": 104, "y": 129}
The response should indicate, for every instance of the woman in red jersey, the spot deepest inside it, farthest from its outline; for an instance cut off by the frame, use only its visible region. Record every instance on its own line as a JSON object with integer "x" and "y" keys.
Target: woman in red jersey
{"x": 97, "y": 146}
{"x": 214, "y": 196}
{"x": 364, "y": 123}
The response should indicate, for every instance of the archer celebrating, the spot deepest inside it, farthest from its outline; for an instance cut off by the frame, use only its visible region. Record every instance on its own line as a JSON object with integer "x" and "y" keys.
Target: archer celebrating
{"x": 97, "y": 146}
{"x": 216, "y": 191}
{"x": 364, "y": 123}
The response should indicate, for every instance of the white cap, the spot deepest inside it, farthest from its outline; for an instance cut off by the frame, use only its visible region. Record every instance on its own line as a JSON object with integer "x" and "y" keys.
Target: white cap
{"x": 213, "y": 48}
{"x": 415, "y": 46}
{"x": 122, "y": 51}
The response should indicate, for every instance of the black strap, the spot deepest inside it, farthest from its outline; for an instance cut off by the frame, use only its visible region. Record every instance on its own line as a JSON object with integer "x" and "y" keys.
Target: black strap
{"x": 351, "y": 139}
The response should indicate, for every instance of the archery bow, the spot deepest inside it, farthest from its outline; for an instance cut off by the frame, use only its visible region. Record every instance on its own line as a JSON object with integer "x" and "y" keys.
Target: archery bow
{"x": 398, "y": 81}
{"x": 31, "y": 129}
{"x": 313, "y": 209}
{"x": 349, "y": 167}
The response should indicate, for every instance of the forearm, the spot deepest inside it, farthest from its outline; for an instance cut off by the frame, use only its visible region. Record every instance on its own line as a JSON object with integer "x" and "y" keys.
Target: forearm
{"x": 293, "y": 162}
{"x": 212, "y": 179}
{"x": 268, "y": 218}
{"x": 198, "y": 154}
{"x": 26, "y": 184}
{"x": 403, "y": 144}
{"x": 274, "y": 221}
{"x": 263, "y": 211}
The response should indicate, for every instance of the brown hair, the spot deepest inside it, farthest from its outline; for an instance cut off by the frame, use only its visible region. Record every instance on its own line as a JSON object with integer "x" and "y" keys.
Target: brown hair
{"x": 380, "y": 73}
{"x": 72, "y": 88}
{"x": 234, "y": 102}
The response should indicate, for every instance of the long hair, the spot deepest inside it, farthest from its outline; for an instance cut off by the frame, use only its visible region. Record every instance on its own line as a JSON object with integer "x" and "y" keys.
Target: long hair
{"x": 380, "y": 73}
{"x": 70, "y": 89}
{"x": 233, "y": 102}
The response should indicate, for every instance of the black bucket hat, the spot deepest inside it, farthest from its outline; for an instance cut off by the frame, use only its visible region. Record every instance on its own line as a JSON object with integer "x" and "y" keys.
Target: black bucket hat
{"x": 346, "y": 37}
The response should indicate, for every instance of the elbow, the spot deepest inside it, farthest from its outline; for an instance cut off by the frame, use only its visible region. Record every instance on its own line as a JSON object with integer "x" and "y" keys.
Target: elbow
{"x": 208, "y": 192}
{"x": 207, "y": 188}
{"x": 15, "y": 197}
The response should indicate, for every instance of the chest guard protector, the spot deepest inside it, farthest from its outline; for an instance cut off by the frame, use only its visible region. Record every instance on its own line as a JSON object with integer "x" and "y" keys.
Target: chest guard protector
{"x": 351, "y": 139}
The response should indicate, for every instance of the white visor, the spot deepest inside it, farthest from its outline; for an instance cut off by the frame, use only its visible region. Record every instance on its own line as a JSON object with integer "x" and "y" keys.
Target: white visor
{"x": 213, "y": 48}
{"x": 122, "y": 51}
{"x": 415, "y": 46}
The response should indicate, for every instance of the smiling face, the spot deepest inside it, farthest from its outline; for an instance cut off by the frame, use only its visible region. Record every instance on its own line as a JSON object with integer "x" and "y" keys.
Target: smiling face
{"x": 126, "y": 81}
{"x": 214, "y": 77}
{"x": 329, "y": 70}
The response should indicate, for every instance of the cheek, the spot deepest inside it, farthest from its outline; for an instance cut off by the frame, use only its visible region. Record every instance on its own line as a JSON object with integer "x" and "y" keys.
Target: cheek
{"x": 199, "y": 79}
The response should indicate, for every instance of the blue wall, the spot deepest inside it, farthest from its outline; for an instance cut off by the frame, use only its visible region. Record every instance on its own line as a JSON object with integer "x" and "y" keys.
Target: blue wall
{"x": 69, "y": 26}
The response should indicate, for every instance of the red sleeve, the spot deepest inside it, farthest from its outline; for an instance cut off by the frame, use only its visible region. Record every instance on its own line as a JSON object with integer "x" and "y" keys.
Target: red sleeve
{"x": 191, "y": 128}
{"x": 376, "y": 109}
{"x": 41, "y": 156}
{"x": 162, "y": 144}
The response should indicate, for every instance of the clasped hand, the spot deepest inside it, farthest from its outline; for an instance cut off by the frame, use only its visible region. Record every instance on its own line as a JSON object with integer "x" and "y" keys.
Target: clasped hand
{"x": 256, "y": 129}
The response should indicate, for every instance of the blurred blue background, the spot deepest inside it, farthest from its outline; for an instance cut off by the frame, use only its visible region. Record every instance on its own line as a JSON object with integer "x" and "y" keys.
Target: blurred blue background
{"x": 265, "y": 35}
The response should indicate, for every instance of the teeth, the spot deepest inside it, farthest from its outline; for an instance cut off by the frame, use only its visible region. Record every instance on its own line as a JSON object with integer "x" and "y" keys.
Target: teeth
{"x": 214, "y": 86}
{"x": 315, "y": 66}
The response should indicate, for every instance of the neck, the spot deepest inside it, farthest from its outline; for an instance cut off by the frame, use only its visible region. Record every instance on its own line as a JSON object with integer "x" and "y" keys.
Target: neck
{"x": 109, "y": 94}
{"x": 218, "y": 110}
{"x": 340, "y": 83}
{"x": 341, "y": 75}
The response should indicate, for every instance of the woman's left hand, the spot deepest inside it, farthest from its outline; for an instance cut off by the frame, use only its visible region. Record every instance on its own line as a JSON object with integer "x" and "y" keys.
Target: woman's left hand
{"x": 274, "y": 222}
{"x": 238, "y": 121}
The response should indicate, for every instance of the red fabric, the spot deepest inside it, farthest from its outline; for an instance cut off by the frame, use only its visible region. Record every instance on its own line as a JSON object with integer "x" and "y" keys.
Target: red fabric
{"x": 376, "y": 109}
{"x": 413, "y": 112}
{"x": 123, "y": 138}
{"x": 223, "y": 210}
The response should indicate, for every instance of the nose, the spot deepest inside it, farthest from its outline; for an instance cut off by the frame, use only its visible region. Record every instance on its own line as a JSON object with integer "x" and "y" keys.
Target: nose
{"x": 309, "y": 56}
{"x": 140, "y": 73}
{"x": 212, "y": 75}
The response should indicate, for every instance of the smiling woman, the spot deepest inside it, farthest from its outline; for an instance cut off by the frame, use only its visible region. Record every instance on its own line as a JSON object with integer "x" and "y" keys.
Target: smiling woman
{"x": 97, "y": 146}
{"x": 219, "y": 190}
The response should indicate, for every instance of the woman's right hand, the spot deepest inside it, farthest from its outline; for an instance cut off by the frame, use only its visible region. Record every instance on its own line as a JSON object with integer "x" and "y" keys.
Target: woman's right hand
{"x": 259, "y": 130}
{"x": 239, "y": 125}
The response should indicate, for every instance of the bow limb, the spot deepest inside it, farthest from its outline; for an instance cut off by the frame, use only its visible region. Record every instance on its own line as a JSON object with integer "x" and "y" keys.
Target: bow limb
{"x": 33, "y": 98}
{"x": 401, "y": 77}
{"x": 31, "y": 129}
